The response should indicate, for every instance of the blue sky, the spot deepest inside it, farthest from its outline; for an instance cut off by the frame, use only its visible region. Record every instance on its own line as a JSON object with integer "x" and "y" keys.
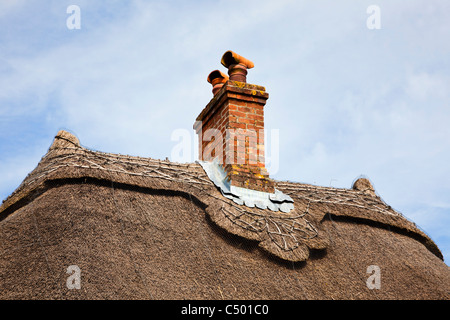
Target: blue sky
{"x": 347, "y": 100}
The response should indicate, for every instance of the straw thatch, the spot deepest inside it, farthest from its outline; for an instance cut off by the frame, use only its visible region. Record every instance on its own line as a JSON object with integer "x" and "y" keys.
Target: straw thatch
{"x": 140, "y": 228}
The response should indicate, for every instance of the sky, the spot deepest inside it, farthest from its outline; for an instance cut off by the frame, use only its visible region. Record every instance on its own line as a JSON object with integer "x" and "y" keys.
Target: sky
{"x": 352, "y": 92}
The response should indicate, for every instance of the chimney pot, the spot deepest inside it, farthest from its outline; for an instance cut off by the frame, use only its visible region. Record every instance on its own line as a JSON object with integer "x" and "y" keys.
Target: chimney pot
{"x": 238, "y": 72}
{"x": 217, "y": 79}
{"x": 237, "y": 66}
{"x": 230, "y": 58}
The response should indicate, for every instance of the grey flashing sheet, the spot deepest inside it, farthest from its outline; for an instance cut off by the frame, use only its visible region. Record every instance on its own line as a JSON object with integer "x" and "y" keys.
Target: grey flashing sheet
{"x": 277, "y": 201}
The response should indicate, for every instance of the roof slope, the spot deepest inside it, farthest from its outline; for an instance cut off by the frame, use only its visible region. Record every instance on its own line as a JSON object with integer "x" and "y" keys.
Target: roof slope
{"x": 151, "y": 229}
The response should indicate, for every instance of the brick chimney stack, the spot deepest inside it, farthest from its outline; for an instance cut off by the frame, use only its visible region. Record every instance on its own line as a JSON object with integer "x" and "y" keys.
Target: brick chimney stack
{"x": 231, "y": 127}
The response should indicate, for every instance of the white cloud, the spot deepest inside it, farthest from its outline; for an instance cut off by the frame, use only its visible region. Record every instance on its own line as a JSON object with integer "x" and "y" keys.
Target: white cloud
{"x": 425, "y": 86}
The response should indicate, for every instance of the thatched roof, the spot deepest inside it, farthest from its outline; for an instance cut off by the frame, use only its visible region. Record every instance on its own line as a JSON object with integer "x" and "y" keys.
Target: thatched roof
{"x": 140, "y": 228}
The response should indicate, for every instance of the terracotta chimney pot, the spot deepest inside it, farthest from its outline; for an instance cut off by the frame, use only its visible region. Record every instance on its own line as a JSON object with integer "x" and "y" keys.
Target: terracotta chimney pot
{"x": 217, "y": 79}
{"x": 237, "y": 66}
{"x": 230, "y": 58}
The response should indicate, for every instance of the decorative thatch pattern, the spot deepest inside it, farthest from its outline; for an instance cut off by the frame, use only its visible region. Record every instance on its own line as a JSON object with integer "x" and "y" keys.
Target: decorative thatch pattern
{"x": 289, "y": 236}
{"x": 151, "y": 229}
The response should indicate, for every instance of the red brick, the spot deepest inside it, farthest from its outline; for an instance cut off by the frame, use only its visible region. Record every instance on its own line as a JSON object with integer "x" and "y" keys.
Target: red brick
{"x": 247, "y": 121}
{"x": 238, "y": 114}
{"x": 240, "y": 103}
{"x": 255, "y": 117}
{"x": 245, "y": 109}
{"x": 237, "y": 125}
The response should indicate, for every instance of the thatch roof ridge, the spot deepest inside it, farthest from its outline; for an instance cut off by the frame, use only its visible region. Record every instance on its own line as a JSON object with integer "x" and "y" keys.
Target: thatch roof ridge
{"x": 57, "y": 153}
{"x": 289, "y": 237}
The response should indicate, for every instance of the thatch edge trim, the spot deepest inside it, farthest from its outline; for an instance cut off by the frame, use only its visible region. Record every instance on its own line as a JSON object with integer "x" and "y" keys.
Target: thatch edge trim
{"x": 207, "y": 195}
{"x": 25, "y": 193}
{"x": 393, "y": 219}
{"x": 420, "y": 237}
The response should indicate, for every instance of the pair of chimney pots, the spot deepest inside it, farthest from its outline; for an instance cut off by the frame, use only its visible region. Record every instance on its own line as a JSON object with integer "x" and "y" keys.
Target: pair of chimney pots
{"x": 237, "y": 70}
